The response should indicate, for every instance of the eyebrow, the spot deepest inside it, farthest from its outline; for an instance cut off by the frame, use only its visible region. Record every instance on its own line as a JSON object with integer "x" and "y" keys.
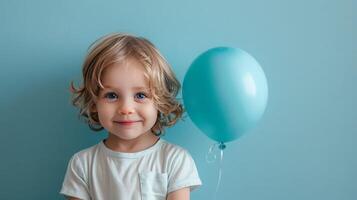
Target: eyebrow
{"x": 134, "y": 88}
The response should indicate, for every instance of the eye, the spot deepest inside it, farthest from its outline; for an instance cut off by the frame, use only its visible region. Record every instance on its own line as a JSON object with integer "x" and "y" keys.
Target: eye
{"x": 110, "y": 96}
{"x": 141, "y": 95}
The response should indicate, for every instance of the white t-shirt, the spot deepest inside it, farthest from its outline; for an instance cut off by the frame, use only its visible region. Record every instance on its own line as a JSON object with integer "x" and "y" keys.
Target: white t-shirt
{"x": 99, "y": 173}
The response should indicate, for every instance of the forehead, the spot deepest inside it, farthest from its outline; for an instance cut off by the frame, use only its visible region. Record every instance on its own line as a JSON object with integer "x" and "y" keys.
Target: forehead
{"x": 129, "y": 74}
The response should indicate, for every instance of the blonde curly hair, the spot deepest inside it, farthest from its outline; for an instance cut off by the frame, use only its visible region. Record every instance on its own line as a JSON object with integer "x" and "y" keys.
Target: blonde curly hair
{"x": 116, "y": 48}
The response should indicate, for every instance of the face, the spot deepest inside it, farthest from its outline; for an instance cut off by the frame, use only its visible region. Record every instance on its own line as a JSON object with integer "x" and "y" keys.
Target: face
{"x": 125, "y": 107}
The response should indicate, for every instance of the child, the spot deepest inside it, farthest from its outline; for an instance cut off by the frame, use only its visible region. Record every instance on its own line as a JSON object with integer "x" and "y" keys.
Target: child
{"x": 129, "y": 90}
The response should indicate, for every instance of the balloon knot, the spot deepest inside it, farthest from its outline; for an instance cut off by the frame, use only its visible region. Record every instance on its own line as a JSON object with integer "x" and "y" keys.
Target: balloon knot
{"x": 221, "y": 146}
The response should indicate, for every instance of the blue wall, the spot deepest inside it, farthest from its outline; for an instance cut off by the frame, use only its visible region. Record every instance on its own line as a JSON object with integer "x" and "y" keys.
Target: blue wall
{"x": 304, "y": 148}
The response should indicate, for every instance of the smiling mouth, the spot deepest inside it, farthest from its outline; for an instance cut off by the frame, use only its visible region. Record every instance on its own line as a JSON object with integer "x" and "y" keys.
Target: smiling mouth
{"x": 126, "y": 123}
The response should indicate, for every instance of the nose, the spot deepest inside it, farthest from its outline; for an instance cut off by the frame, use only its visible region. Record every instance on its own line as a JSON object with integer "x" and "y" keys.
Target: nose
{"x": 126, "y": 107}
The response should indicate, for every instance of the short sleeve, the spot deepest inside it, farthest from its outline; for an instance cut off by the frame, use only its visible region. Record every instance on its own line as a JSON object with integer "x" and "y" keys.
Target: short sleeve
{"x": 75, "y": 182}
{"x": 183, "y": 172}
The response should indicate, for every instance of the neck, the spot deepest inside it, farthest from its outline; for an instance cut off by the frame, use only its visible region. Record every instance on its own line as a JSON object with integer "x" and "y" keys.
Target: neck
{"x": 140, "y": 143}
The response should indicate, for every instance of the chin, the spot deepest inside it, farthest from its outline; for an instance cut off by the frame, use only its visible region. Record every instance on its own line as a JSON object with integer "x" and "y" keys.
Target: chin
{"x": 126, "y": 136}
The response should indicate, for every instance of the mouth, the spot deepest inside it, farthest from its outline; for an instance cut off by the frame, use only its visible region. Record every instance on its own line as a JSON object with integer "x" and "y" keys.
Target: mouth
{"x": 126, "y": 123}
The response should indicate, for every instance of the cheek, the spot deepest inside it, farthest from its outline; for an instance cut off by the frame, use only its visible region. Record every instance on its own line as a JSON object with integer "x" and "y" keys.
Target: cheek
{"x": 104, "y": 112}
{"x": 151, "y": 113}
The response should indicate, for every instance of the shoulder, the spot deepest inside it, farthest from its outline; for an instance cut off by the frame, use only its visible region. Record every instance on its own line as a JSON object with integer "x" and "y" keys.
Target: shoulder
{"x": 176, "y": 155}
{"x": 173, "y": 149}
{"x": 85, "y": 155}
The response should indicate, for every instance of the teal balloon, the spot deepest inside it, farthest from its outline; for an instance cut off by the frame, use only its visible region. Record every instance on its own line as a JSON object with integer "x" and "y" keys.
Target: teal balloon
{"x": 225, "y": 93}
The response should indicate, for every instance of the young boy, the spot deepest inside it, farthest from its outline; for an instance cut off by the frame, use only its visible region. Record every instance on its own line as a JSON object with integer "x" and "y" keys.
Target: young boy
{"x": 129, "y": 90}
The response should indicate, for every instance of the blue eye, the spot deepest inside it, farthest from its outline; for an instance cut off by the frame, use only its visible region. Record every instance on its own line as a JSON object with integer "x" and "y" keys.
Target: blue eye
{"x": 110, "y": 95}
{"x": 141, "y": 95}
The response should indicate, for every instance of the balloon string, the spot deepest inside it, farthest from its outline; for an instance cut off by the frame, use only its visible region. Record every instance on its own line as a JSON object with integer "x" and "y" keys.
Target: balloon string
{"x": 211, "y": 157}
{"x": 219, "y": 174}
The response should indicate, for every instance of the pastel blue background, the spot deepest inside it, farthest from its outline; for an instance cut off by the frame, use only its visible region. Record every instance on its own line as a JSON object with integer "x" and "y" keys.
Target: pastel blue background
{"x": 304, "y": 148}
